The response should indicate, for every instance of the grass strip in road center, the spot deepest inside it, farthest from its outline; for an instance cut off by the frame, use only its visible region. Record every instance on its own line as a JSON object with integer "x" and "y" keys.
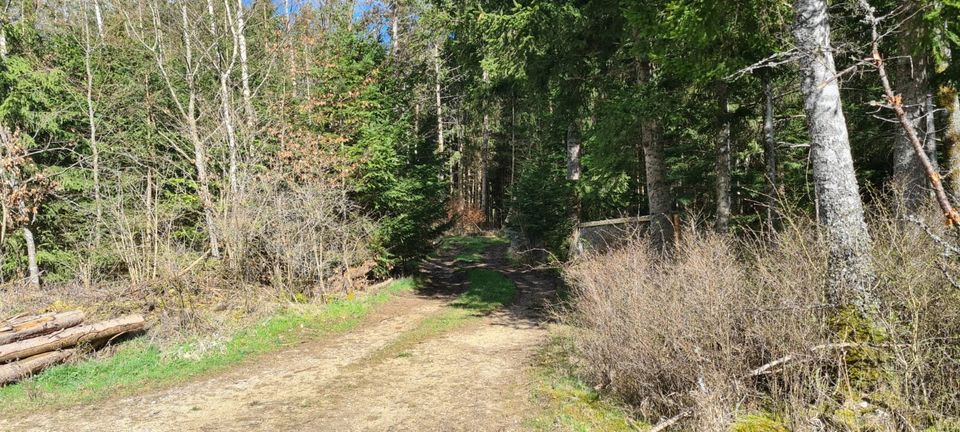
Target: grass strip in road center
{"x": 489, "y": 290}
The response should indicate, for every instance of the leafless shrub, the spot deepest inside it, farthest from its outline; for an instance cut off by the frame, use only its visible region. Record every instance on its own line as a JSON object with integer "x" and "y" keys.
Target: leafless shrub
{"x": 729, "y": 326}
{"x": 297, "y": 238}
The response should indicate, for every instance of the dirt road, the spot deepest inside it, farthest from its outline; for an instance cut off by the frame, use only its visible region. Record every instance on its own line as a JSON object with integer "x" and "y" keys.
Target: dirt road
{"x": 474, "y": 377}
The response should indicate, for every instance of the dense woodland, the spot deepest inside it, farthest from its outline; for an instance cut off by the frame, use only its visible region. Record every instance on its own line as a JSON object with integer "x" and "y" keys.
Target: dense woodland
{"x": 290, "y": 143}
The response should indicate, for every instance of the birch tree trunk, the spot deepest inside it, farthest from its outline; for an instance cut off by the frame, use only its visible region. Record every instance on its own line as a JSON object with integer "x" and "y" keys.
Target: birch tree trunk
{"x": 659, "y": 197}
{"x": 92, "y": 122}
{"x": 394, "y": 28}
{"x": 248, "y": 111}
{"x": 913, "y": 82}
{"x": 32, "y": 267}
{"x": 3, "y": 38}
{"x": 99, "y": 17}
{"x": 437, "y": 89}
{"x": 770, "y": 154}
{"x": 573, "y": 175}
{"x": 851, "y": 275}
{"x": 722, "y": 191}
{"x": 199, "y": 148}
{"x": 573, "y": 152}
{"x": 231, "y": 132}
{"x": 225, "y": 68}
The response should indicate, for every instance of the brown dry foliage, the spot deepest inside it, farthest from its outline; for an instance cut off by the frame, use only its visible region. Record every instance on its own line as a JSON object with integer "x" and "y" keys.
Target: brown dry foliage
{"x": 666, "y": 336}
{"x": 467, "y": 218}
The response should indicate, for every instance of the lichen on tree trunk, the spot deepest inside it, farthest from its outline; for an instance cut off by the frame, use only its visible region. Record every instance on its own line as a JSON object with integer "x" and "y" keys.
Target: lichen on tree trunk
{"x": 851, "y": 275}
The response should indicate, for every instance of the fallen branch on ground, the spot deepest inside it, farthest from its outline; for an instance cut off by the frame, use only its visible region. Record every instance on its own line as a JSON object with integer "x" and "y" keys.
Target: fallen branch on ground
{"x": 664, "y": 425}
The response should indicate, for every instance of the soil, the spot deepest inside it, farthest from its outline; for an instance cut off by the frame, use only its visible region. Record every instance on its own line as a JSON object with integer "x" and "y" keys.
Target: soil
{"x": 475, "y": 377}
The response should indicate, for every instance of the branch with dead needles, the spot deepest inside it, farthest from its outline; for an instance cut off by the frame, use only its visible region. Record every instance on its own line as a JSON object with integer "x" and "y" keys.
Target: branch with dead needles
{"x": 896, "y": 103}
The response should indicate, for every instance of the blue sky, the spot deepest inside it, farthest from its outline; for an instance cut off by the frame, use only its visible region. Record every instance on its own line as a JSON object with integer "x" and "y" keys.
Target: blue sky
{"x": 362, "y": 5}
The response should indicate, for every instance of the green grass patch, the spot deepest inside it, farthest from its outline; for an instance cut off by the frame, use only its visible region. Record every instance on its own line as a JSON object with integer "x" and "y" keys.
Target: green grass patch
{"x": 570, "y": 404}
{"x": 140, "y": 364}
{"x": 489, "y": 290}
{"x": 470, "y": 249}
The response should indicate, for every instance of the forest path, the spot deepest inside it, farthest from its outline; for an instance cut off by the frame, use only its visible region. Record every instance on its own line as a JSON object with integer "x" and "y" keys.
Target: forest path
{"x": 388, "y": 374}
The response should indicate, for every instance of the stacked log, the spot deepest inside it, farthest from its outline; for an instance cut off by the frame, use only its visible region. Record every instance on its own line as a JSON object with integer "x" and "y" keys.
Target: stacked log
{"x": 13, "y": 372}
{"x": 25, "y": 328}
{"x": 29, "y": 344}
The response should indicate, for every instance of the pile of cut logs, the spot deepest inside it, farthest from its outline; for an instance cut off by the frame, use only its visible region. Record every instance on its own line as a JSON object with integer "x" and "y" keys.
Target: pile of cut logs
{"x": 28, "y": 344}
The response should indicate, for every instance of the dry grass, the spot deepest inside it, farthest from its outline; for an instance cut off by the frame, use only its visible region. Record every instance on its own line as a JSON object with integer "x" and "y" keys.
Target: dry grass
{"x": 668, "y": 336}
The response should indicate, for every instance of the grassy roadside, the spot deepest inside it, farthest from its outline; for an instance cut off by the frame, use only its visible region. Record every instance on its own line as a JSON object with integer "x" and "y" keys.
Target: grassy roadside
{"x": 570, "y": 404}
{"x": 140, "y": 364}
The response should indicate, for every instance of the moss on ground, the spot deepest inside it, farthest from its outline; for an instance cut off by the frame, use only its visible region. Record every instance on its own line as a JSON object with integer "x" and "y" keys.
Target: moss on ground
{"x": 758, "y": 422}
{"x": 570, "y": 404}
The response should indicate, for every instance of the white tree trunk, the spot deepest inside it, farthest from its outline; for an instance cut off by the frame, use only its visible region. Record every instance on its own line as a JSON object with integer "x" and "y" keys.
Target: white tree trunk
{"x": 99, "y": 17}
{"x": 34, "y": 270}
{"x": 573, "y": 152}
{"x": 3, "y": 40}
{"x": 394, "y": 28}
{"x": 231, "y": 133}
{"x": 92, "y": 124}
{"x": 244, "y": 68}
{"x": 199, "y": 148}
{"x": 851, "y": 274}
{"x": 438, "y": 77}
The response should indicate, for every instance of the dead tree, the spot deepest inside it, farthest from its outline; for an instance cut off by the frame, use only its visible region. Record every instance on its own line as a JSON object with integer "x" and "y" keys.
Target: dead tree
{"x": 895, "y": 102}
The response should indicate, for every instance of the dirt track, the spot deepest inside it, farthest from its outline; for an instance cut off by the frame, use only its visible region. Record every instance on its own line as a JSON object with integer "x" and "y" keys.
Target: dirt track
{"x": 474, "y": 377}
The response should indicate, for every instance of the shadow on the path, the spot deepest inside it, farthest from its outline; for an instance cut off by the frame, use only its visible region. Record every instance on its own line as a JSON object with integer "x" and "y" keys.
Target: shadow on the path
{"x": 536, "y": 288}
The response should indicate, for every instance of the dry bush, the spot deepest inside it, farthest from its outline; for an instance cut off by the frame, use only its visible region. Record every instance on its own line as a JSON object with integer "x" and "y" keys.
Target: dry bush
{"x": 280, "y": 244}
{"x": 303, "y": 239}
{"x": 687, "y": 333}
{"x": 467, "y": 218}
{"x": 921, "y": 301}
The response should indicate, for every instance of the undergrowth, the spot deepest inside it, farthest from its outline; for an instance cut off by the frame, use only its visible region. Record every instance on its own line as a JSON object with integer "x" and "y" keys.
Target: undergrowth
{"x": 140, "y": 364}
{"x": 729, "y": 327}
